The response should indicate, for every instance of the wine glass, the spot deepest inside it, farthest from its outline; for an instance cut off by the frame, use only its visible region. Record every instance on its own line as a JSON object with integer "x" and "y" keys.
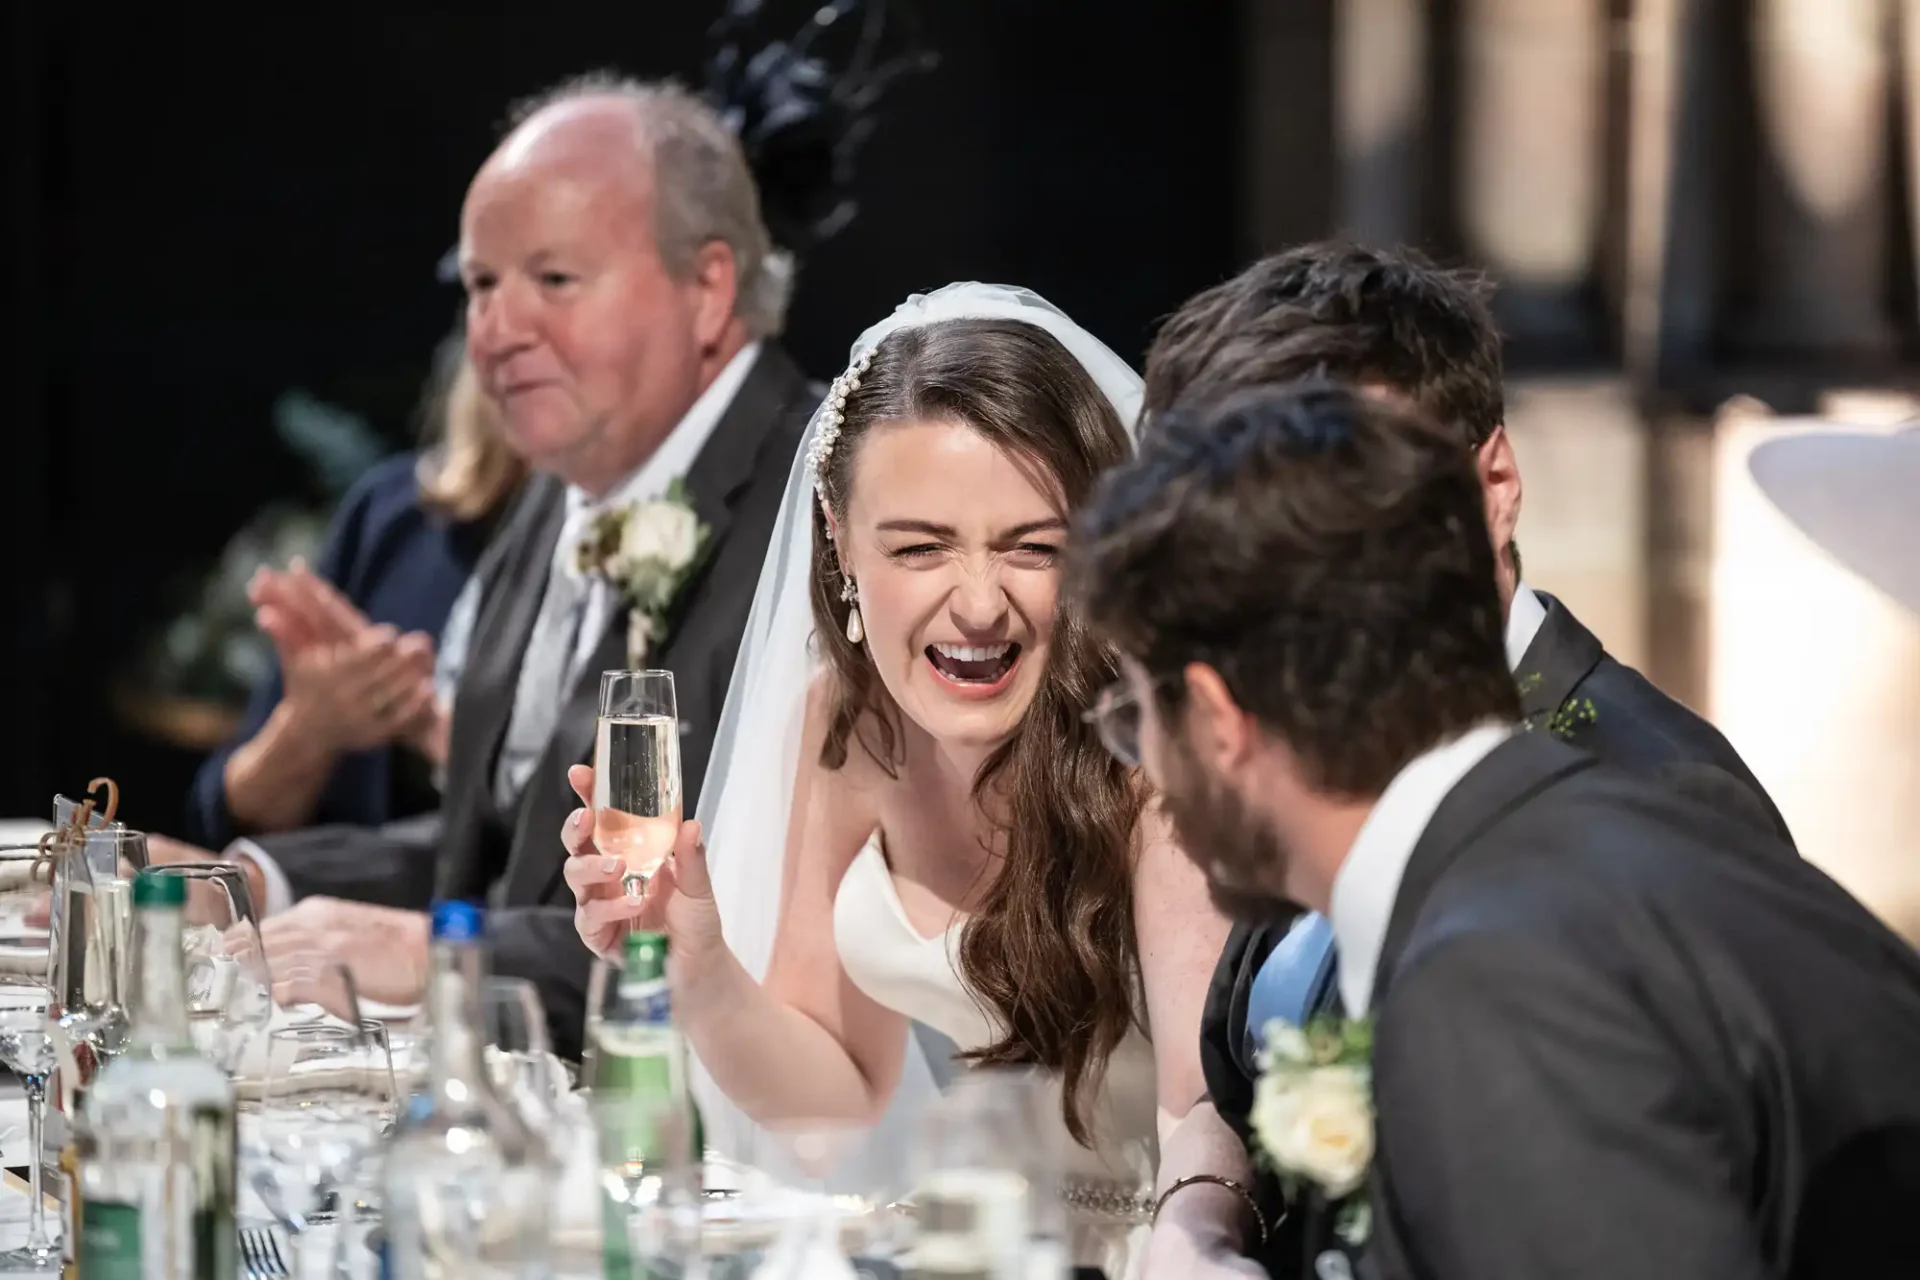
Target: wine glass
{"x": 636, "y": 772}
{"x": 27, "y": 1046}
{"x": 229, "y": 988}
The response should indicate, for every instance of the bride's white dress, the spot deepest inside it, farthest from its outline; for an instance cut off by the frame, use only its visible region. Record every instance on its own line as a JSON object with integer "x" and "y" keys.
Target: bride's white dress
{"x": 918, "y": 976}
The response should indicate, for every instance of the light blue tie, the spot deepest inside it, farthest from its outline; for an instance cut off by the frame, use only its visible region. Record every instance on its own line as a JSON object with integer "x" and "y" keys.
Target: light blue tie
{"x": 1291, "y": 980}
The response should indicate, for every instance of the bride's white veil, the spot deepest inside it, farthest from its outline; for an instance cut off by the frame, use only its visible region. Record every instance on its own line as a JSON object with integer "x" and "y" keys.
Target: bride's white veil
{"x": 748, "y": 791}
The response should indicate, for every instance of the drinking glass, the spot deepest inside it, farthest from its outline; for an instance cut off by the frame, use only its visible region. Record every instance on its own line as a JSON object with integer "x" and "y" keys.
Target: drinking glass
{"x": 636, "y": 772}
{"x": 27, "y": 1021}
{"x": 987, "y": 1185}
{"x": 229, "y": 988}
{"x": 524, "y": 1069}
{"x": 600, "y": 984}
{"x": 329, "y": 1094}
{"x": 812, "y": 1240}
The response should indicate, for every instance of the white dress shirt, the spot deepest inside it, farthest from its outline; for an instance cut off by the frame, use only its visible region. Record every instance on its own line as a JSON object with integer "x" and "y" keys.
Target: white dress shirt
{"x": 1369, "y": 880}
{"x": 671, "y": 461}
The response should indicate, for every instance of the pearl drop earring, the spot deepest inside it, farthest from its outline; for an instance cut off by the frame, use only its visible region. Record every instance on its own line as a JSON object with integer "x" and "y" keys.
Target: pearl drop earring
{"x": 856, "y": 632}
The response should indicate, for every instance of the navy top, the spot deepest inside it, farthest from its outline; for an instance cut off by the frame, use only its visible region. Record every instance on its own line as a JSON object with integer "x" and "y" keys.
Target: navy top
{"x": 400, "y": 564}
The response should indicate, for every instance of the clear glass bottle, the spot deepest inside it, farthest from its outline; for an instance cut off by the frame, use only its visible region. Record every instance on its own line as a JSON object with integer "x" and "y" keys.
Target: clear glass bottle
{"x": 466, "y": 1182}
{"x": 157, "y": 1126}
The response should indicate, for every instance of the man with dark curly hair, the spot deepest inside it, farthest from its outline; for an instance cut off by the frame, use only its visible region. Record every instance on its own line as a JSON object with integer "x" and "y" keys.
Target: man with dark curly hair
{"x": 1613, "y": 1029}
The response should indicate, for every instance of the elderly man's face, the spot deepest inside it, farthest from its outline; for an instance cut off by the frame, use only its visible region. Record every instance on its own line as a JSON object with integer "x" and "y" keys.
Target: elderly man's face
{"x": 590, "y": 349}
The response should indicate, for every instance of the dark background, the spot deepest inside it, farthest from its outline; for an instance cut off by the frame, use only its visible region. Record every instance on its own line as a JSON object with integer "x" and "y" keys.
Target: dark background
{"x": 204, "y": 213}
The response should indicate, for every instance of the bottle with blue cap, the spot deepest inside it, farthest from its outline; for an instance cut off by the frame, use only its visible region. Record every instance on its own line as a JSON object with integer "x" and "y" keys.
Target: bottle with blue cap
{"x": 467, "y": 1184}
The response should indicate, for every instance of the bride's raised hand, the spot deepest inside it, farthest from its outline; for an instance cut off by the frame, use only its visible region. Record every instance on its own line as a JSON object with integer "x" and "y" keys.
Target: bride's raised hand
{"x": 679, "y": 897}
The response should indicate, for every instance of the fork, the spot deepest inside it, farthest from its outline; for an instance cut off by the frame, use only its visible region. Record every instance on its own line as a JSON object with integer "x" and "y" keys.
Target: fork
{"x": 260, "y": 1253}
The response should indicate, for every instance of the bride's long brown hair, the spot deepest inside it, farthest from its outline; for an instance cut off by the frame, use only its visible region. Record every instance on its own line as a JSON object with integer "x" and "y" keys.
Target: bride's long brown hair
{"x": 1051, "y": 949}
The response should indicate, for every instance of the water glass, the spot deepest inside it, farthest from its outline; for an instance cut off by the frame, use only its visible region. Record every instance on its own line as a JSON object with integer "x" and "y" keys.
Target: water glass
{"x": 229, "y": 988}
{"x": 987, "y": 1184}
{"x": 636, "y": 772}
{"x": 329, "y": 1095}
{"x": 524, "y": 1070}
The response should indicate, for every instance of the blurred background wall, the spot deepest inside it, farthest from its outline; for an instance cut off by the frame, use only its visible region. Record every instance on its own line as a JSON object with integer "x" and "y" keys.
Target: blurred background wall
{"x": 221, "y": 234}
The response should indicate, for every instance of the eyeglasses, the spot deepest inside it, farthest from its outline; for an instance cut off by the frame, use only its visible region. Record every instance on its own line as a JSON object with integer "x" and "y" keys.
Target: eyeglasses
{"x": 1116, "y": 717}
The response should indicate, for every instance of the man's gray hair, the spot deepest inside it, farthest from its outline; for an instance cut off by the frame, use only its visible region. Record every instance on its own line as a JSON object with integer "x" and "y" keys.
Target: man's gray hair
{"x": 702, "y": 189}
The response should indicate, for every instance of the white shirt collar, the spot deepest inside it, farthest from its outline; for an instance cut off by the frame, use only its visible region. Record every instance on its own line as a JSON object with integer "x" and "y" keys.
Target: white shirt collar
{"x": 1524, "y": 618}
{"x": 1369, "y": 880}
{"x": 671, "y": 461}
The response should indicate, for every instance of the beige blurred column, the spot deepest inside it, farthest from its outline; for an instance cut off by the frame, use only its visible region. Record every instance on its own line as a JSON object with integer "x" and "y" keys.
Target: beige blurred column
{"x": 1531, "y": 147}
{"x": 1381, "y": 99}
{"x": 1821, "y": 75}
{"x": 1583, "y": 459}
{"x": 1815, "y": 677}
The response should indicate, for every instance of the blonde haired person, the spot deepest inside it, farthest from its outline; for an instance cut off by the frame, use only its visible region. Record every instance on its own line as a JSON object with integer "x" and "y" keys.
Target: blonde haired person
{"x": 348, "y": 726}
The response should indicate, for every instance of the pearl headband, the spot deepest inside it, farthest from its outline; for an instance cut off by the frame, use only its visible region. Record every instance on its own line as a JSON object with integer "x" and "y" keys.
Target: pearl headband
{"x": 832, "y": 414}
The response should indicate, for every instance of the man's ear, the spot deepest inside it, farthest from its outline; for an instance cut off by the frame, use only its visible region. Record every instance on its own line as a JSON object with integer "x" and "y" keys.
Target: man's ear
{"x": 1220, "y": 733}
{"x": 716, "y": 283}
{"x": 1500, "y": 482}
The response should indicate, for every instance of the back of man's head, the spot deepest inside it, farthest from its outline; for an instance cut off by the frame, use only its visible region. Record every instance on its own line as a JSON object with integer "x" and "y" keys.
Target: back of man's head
{"x": 702, "y": 189}
{"x": 1382, "y": 319}
{"x": 1325, "y": 551}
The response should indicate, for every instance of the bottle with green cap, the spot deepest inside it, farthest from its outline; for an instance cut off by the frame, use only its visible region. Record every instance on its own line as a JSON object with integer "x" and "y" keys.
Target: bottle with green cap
{"x": 156, "y": 1130}
{"x": 649, "y": 1127}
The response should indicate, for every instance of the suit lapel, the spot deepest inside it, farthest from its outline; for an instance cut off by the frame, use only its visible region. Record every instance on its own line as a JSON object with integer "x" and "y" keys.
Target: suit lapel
{"x": 728, "y": 460}
{"x": 1562, "y": 654}
{"x": 509, "y": 604}
{"x": 719, "y": 475}
{"x": 1511, "y": 775}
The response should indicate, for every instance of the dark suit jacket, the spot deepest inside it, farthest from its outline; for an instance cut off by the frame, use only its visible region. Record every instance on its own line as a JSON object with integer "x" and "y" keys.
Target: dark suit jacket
{"x": 1618, "y": 1035}
{"x": 1632, "y": 725}
{"x": 401, "y": 564}
{"x": 513, "y": 860}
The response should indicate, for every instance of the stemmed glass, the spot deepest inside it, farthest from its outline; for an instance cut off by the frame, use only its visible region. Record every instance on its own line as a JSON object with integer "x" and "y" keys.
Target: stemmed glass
{"x": 636, "y": 772}
{"x": 229, "y": 988}
{"x": 27, "y": 1045}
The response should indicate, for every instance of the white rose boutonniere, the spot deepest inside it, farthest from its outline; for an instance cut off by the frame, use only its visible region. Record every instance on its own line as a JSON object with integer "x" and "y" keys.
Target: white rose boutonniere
{"x": 1313, "y": 1113}
{"x": 647, "y": 550}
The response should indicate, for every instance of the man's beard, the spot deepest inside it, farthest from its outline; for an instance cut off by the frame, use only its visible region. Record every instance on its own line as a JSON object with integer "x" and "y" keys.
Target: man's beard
{"x": 1239, "y": 854}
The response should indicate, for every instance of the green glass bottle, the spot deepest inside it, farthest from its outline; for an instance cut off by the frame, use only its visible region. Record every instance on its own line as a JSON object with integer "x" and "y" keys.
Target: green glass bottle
{"x": 649, "y": 1127}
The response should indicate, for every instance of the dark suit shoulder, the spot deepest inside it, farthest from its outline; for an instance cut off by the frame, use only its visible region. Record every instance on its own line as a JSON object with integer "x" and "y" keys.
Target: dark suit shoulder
{"x": 1638, "y": 727}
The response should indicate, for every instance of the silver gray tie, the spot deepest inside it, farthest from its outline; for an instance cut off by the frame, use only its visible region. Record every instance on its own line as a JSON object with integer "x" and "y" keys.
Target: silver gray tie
{"x": 545, "y": 681}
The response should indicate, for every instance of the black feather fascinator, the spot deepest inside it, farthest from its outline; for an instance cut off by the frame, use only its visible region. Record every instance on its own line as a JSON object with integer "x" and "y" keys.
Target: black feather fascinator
{"x": 803, "y": 106}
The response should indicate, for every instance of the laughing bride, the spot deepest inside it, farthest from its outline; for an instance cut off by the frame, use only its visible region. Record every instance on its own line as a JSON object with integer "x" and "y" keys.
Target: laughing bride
{"x": 908, "y": 723}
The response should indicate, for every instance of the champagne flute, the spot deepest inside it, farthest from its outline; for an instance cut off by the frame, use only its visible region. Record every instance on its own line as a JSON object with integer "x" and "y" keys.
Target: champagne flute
{"x": 636, "y": 772}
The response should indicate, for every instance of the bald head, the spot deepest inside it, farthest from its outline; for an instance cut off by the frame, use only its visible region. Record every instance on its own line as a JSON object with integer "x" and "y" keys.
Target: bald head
{"x": 600, "y": 304}
{"x": 598, "y": 136}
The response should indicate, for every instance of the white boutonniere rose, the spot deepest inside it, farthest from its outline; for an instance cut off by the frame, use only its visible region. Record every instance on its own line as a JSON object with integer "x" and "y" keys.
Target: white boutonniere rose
{"x": 648, "y": 551}
{"x": 1313, "y": 1113}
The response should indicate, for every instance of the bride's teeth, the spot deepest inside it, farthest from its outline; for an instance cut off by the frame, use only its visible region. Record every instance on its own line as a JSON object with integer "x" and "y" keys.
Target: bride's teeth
{"x": 972, "y": 653}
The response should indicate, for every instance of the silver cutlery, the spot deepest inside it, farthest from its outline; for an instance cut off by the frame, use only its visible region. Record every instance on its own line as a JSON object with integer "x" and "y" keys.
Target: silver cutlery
{"x": 260, "y": 1254}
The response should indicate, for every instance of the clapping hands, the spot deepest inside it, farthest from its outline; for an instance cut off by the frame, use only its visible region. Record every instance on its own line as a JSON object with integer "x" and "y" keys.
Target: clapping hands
{"x": 350, "y": 683}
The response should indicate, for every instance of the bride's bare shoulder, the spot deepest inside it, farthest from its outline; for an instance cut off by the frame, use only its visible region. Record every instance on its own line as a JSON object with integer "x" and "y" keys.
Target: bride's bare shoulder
{"x": 848, "y": 765}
